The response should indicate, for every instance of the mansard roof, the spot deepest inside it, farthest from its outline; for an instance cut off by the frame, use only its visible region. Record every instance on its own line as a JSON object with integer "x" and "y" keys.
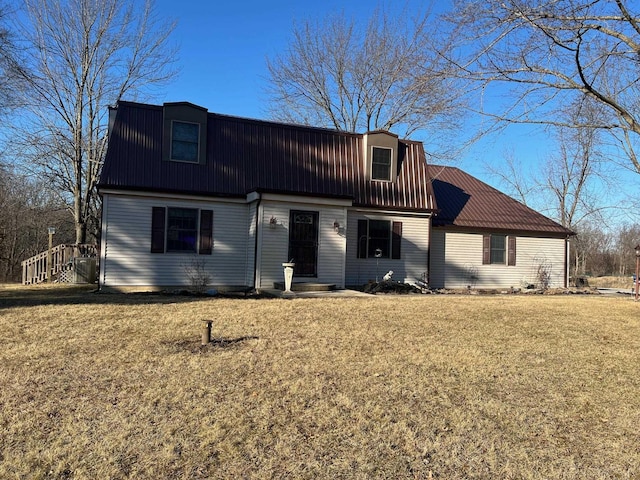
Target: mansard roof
{"x": 246, "y": 155}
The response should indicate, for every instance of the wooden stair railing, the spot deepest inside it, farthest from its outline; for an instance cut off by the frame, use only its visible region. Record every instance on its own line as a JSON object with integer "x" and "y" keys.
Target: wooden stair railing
{"x": 34, "y": 269}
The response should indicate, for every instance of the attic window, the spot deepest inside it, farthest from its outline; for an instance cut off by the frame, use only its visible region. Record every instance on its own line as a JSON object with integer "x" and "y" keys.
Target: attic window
{"x": 184, "y": 133}
{"x": 185, "y": 141}
{"x": 381, "y": 164}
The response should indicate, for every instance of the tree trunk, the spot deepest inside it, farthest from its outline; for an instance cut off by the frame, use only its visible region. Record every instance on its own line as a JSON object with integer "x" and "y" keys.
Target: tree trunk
{"x": 81, "y": 232}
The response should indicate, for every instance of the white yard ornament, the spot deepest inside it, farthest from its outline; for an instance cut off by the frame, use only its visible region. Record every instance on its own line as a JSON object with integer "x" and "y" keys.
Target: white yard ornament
{"x": 387, "y": 276}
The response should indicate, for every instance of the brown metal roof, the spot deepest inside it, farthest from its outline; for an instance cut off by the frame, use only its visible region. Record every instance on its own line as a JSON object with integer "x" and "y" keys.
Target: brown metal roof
{"x": 465, "y": 201}
{"x": 245, "y": 155}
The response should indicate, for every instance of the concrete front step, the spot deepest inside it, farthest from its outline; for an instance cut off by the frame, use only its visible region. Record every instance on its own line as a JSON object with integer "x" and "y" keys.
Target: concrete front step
{"x": 307, "y": 286}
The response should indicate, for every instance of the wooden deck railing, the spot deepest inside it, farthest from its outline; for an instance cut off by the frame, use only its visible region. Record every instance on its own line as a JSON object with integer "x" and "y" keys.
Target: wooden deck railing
{"x": 34, "y": 269}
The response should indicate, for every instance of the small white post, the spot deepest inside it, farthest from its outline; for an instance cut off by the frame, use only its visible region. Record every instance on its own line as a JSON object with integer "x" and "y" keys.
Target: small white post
{"x": 288, "y": 276}
{"x": 51, "y": 231}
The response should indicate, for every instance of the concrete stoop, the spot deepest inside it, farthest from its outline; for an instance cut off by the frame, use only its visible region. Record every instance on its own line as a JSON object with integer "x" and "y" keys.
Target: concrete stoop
{"x": 306, "y": 286}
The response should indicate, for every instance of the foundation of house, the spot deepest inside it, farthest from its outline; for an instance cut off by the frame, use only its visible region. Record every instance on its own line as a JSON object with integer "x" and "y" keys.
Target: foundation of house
{"x": 306, "y": 286}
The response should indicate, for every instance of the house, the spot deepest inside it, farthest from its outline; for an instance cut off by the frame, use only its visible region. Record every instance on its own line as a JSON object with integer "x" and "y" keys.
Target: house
{"x": 482, "y": 238}
{"x": 232, "y": 199}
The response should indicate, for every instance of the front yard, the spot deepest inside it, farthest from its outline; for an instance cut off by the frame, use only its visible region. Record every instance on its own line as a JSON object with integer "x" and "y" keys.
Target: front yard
{"x": 452, "y": 387}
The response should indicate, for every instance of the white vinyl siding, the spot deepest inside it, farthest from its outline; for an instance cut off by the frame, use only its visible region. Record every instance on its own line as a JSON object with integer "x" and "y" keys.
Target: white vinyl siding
{"x": 456, "y": 262}
{"x": 274, "y": 243}
{"x": 126, "y": 259}
{"x": 414, "y": 249}
{"x": 437, "y": 258}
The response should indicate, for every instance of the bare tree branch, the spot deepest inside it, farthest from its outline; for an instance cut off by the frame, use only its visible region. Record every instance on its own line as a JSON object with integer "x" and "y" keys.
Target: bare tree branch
{"x": 389, "y": 75}
{"x": 9, "y": 51}
{"x": 552, "y": 53}
{"x": 82, "y": 56}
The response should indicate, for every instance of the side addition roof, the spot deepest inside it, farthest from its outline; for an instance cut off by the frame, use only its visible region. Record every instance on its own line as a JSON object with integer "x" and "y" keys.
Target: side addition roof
{"x": 465, "y": 201}
{"x": 246, "y": 155}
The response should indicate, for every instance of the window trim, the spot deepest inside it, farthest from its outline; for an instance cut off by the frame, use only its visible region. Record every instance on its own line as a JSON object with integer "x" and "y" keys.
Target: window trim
{"x": 390, "y": 166}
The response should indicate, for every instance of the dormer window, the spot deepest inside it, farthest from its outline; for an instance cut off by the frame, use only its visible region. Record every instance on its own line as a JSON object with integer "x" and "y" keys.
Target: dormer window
{"x": 381, "y": 156}
{"x": 381, "y": 163}
{"x": 185, "y": 141}
{"x": 184, "y": 133}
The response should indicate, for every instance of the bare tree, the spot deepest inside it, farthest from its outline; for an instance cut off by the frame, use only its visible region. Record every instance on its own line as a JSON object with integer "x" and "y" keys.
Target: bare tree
{"x": 389, "y": 75}
{"x": 567, "y": 186}
{"x": 27, "y": 208}
{"x": 577, "y": 176}
{"x": 552, "y": 53}
{"x": 81, "y": 56}
{"x": 518, "y": 182}
{"x": 8, "y": 59}
{"x": 592, "y": 248}
{"x": 625, "y": 243}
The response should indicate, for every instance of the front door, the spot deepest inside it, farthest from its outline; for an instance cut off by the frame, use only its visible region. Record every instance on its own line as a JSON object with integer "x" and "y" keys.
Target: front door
{"x": 303, "y": 242}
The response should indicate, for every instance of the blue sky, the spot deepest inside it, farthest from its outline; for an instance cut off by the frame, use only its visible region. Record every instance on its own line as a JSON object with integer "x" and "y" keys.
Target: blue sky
{"x": 223, "y": 50}
{"x": 224, "y": 46}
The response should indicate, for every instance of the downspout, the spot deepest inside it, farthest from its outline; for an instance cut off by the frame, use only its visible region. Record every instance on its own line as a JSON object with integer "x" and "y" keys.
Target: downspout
{"x": 566, "y": 261}
{"x": 102, "y": 254}
{"x": 255, "y": 246}
{"x": 428, "y": 278}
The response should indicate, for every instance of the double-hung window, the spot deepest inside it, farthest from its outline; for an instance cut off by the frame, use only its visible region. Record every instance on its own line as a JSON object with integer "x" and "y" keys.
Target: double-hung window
{"x": 498, "y": 246}
{"x": 499, "y": 250}
{"x": 379, "y": 239}
{"x": 381, "y": 163}
{"x": 184, "y": 133}
{"x": 185, "y": 141}
{"x": 181, "y": 230}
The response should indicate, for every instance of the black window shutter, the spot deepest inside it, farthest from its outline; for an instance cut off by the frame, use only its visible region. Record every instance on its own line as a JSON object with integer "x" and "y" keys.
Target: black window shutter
{"x": 158, "y": 219}
{"x": 396, "y": 239}
{"x": 511, "y": 252}
{"x": 206, "y": 232}
{"x": 486, "y": 249}
{"x": 362, "y": 238}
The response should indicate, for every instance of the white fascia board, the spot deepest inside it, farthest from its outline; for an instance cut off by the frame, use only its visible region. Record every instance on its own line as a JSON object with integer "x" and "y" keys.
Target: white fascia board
{"x": 279, "y": 197}
{"x": 400, "y": 213}
{"x": 177, "y": 196}
{"x": 251, "y": 197}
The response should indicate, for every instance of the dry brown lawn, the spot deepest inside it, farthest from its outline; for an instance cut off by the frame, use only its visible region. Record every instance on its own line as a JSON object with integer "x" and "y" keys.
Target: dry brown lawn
{"x": 624, "y": 282}
{"x": 451, "y": 387}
